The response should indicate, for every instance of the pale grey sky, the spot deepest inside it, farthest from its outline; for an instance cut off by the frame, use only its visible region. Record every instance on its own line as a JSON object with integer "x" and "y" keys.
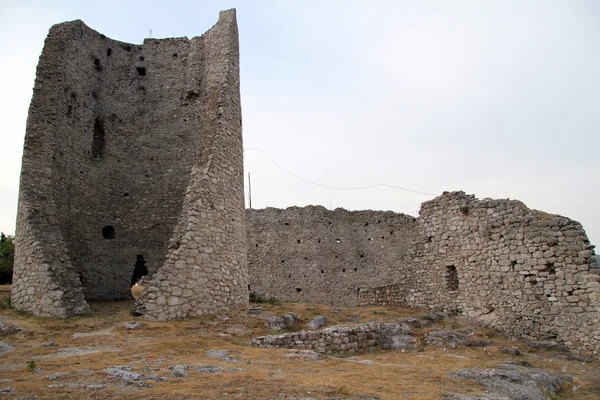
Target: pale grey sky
{"x": 496, "y": 98}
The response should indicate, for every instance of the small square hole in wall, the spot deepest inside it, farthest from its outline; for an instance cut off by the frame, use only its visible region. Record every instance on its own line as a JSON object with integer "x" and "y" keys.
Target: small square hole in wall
{"x": 299, "y": 290}
{"x": 141, "y": 71}
{"x": 108, "y": 52}
{"x": 108, "y": 232}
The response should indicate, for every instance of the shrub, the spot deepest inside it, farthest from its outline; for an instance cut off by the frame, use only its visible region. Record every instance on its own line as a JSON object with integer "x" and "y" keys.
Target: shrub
{"x": 7, "y": 258}
{"x": 464, "y": 209}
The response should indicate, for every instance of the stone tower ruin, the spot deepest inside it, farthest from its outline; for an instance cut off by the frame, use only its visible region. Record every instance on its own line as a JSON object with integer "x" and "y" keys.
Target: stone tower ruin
{"x": 133, "y": 164}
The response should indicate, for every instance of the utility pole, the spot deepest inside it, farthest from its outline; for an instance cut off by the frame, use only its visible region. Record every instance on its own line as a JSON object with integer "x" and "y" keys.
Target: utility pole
{"x": 249, "y": 191}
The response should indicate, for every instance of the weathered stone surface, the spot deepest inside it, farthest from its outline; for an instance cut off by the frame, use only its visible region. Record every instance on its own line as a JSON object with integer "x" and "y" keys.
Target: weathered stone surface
{"x": 133, "y": 325}
{"x": 446, "y": 338}
{"x": 336, "y": 339}
{"x": 513, "y": 351}
{"x": 396, "y": 336}
{"x": 124, "y": 373}
{"x": 7, "y": 390}
{"x": 216, "y": 353}
{"x": 179, "y": 371}
{"x": 56, "y": 375}
{"x": 9, "y": 329}
{"x": 5, "y": 348}
{"x": 133, "y": 156}
{"x": 286, "y": 321}
{"x": 305, "y": 354}
{"x": 516, "y": 382}
{"x": 317, "y": 322}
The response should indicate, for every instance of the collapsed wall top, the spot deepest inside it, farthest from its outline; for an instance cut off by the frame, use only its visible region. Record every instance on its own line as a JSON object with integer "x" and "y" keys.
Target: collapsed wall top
{"x": 132, "y": 165}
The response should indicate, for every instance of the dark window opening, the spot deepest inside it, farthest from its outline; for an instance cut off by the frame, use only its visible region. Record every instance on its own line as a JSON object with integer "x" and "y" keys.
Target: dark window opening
{"x": 379, "y": 221}
{"x": 282, "y": 261}
{"x": 286, "y": 223}
{"x": 361, "y": 255}
{"x": 391, "y": 232}
{"x": 337, "y": 256}
{"x": 298, "y": 289}
{"x": 329, "y": 222}
{"x": 290, "y": 275}
{"x": 97, "y": 65}
{"x": 513, "y": 264}
{"x": 322, "y": 271}
{"x": 451, "y": 278}
{"x": 366, "y": 224}
{"x": 429, "y": 239}
{"x": 98, "y": 139}
{"x": 141, "y": 58}
{"x": 108, "y": 232}
{"x": 125, "y": 194}
{"x": 139, "y": 270}
{"x": 248, "y": 287}
{"x": 370, "y": 239}
{"x": 319, "y": 240}
{"x": 108, "y": 52}
{"x": 141, "y": 71}
{"x": 256, "y": 244}
{"x": 344, "y": 270}
{"x": 383, "y": 237}
{"x": 174, "y": 55}
{"x": 355, "y": 269}
{"x": 306, "y": 258}
{"x": 299, "y": 241}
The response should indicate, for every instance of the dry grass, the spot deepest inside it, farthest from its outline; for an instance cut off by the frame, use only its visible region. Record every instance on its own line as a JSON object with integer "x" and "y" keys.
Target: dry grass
{"x": 265, "y": 374}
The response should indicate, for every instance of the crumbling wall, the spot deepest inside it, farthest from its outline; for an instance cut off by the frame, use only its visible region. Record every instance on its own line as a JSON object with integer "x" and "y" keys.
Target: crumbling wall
{"x": 525, "y": 272}
{"x": 120, "y": 141}
{"x": 530, "y": 274}
{"x": 335, "y": 339}
{"x": 311, "y": 254}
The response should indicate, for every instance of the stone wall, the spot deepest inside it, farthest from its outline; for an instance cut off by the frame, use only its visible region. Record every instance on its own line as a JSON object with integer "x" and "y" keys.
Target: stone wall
{"x": 133, "y": 153}
{"x": 312, "y": 254}
{"x": 336, "y": 339}
{"x": 528, "y": 273}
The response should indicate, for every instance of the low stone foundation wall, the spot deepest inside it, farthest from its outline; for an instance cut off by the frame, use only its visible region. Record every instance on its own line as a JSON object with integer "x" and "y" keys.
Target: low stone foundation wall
{"x": 348, "y": 339}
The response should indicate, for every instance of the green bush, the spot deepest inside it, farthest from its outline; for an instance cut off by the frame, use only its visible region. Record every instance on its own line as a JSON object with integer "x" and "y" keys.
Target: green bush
{"x": 7, "y": 258}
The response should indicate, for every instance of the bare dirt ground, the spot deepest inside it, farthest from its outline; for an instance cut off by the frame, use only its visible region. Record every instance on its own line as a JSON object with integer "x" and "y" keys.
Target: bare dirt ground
{"x": 73, "y": 359}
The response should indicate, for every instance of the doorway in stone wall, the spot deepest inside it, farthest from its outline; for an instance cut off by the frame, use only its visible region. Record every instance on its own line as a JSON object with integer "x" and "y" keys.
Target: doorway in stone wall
{"x": 140, "y": 270}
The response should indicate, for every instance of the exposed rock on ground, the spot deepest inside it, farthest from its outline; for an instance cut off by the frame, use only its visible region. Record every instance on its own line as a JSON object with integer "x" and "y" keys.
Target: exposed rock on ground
{"x": 5, "y": 348}
{"x": 317, "y": 322}
{"x": 305, "y": 354}
{"x": 287, "y": 321}
{"x": 396, "y": 336}
{"x": 124, "y": 373}
{"x": 516, "y": 382}
{"x": 133, "y": 325}
{"x": 446, "y": 338}
{"x": 9, "y": 329}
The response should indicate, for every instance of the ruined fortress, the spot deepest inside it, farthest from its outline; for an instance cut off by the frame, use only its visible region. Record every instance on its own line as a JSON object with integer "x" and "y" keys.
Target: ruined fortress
{"x": 132, "y": 165}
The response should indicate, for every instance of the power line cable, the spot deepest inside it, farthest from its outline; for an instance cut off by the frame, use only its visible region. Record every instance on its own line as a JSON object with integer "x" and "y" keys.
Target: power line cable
{"x": 340, "y": 173}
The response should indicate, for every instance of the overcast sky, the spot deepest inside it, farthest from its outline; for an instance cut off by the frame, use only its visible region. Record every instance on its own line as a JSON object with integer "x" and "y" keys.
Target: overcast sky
{"x": 497, "y": 98}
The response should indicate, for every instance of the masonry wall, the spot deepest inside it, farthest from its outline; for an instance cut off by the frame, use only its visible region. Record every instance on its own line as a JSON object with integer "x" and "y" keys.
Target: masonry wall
{"x": 120, "y": 141}
{"x": 530, "y": 274}
{"x": 525, "y": 272}
{"x": 335, "y": 339}
{"x": 315, "y": 255}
